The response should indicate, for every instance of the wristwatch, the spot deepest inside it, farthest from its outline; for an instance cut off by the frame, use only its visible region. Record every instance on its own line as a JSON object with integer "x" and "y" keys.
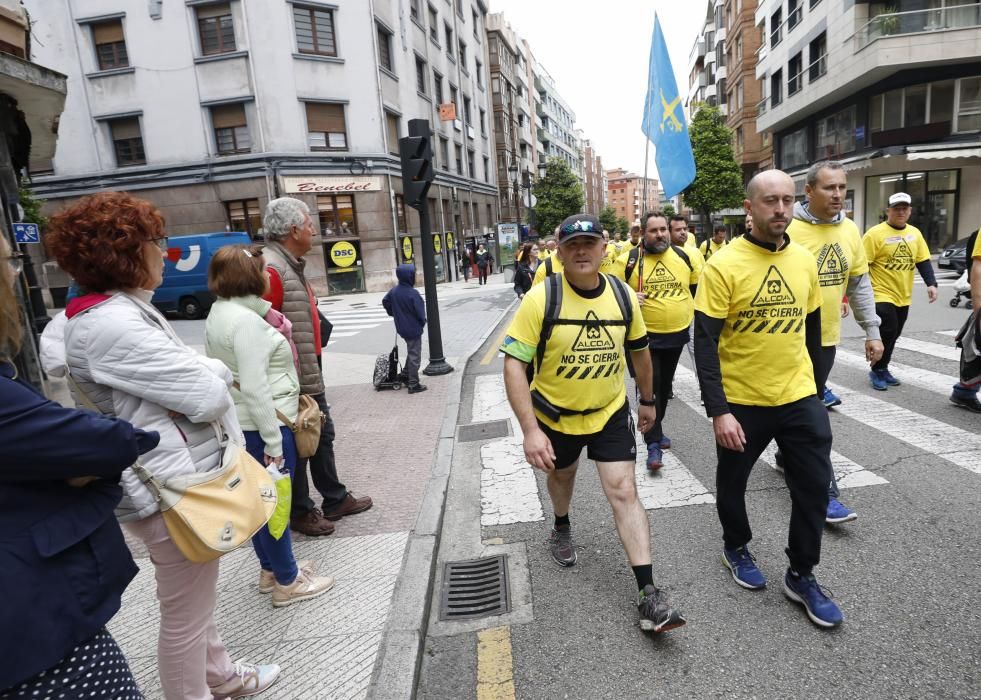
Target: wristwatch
{"x": 643, "y": 402}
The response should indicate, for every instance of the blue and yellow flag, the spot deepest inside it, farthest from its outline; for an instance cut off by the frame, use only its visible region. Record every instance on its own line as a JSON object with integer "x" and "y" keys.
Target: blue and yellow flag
{"x": 664, "y": 120}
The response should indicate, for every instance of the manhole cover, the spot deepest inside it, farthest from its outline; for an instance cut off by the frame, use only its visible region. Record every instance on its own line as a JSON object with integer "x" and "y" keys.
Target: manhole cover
{"x": 475, "y": 588}
{"x": 488, "y": 430}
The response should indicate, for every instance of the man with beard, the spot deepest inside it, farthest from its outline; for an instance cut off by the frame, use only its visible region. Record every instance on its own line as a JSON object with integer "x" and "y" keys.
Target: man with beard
{"x": 664, "y": 277}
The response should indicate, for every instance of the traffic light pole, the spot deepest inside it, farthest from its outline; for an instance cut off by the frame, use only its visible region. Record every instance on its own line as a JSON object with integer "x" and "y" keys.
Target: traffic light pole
{"x": 417, "y": 174}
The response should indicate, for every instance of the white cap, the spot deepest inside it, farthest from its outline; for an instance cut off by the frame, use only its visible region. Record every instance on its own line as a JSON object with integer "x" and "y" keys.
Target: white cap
{"x": 899, "y": 198}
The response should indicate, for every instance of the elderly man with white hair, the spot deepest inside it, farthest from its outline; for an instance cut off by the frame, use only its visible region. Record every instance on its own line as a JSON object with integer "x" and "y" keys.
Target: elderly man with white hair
{"x": 289, "y": 234}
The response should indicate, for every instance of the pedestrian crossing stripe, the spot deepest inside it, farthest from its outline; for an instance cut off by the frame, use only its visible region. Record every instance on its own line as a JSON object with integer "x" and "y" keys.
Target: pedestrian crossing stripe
{"x": 913, "y": 376}
{"x": 944, "y": 352}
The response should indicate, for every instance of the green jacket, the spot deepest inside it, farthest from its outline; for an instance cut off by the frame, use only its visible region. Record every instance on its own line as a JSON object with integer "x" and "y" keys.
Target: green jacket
{"x": 261, "y": 361}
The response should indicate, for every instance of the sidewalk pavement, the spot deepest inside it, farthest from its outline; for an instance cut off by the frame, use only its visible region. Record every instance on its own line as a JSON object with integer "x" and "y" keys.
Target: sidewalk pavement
{"x": 396, "y": 448}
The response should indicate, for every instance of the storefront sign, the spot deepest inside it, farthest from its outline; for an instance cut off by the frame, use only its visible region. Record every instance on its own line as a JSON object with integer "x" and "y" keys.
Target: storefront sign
{"x": 322, "y": 184}
{"x": 450, "y": 243}
{"x": 343, "y": 254}
{"x": 407, "y": 249}
{"x": 437, "y": 243}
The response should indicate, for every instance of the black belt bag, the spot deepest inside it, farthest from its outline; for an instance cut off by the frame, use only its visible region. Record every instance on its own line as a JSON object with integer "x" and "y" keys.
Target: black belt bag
{"x": 553, "y": 412}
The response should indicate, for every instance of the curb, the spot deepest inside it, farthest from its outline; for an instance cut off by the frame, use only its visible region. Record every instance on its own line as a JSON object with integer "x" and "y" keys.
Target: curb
{"x": 399, "y": 657}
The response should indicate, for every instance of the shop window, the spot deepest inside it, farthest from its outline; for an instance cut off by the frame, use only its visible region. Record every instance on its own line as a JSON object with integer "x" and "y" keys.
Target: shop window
{"x": 215, "y": 29}
{"x": 315, "y": 30}
{"x": 400, "y": 221}
{"x": 245, "y": 215}
{"x": 326, "y": 127}
{"x": 127, "y": 141}
{"x": 935, "y": 198}
{"x": 392, "y": 131}
{"x": 110, "y": 45}
{"x": 337, "y": 216}
{"x": 231, "y": 129}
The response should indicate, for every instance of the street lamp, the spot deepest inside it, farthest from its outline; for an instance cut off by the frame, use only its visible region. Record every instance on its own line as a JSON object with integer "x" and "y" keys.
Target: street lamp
{"x": 513, "y": 172}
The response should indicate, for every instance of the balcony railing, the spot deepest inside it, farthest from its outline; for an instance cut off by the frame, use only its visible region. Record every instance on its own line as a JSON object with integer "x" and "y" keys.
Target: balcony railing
{"x": 918, "y": 22}
{"x": 762, "y": 105}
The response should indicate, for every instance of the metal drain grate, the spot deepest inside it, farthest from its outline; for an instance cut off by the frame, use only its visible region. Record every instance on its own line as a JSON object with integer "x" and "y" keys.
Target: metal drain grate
{"x": 475, "y": 588}
{"x": 488, "y": 430}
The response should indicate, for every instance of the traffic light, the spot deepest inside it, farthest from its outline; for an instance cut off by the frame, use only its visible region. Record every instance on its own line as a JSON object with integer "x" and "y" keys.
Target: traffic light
{"x": 417, "y": 164}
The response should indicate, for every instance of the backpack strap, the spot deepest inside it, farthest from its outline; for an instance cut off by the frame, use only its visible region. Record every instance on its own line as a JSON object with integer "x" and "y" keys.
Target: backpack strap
{"x": 553, "y": 304}
{"x": 632, "y": 257}
{"x": 548, "y": 267}
{"x": 683, "y": 255}
{"x": 622, "y": 295}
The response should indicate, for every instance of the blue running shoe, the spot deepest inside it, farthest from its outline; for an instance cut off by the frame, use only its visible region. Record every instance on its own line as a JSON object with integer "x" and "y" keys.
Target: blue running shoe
{"x": 830, "y": 398}
{"x": 887, "y": 376}
{"x": 838, "y": 512}
{"x": 743, "y": 567}
{"x": 819, "y": 607}
{"x": 665, "y": 442}
{"x": 878, "y": 383}
{"x": 654, "y": 456}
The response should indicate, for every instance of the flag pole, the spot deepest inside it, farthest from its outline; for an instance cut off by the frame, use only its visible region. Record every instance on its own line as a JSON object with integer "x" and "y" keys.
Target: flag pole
{"x": 647, "y": 151}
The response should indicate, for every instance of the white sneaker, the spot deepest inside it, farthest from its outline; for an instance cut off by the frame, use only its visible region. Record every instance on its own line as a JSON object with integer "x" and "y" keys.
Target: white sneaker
{"x": 267, "y": 581}
{"x": 305, "y": 587}
{"x": 249, "y": 679}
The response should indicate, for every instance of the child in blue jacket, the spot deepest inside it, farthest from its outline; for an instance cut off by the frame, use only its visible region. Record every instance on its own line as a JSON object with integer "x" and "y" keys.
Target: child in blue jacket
{"x": 404, "y": 304}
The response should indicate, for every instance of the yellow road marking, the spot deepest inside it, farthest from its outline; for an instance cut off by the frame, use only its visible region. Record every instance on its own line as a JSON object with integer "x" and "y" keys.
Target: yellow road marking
{"x": 495, "y": 347}
{"x": 495, "y": 671}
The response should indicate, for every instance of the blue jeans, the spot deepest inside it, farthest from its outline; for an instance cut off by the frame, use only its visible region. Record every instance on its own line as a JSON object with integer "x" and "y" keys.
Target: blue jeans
{"x": 275, "y": 555}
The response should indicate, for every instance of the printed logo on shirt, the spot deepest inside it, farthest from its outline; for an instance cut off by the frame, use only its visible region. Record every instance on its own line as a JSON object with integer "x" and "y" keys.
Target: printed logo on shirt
{"x": 593, "y": 337}
{"x": 901, "y": 259}
{"x": 661, "y": 283}
{"x": 773, "y": 310}
{"x": 832, "y": 266}
{"x": 593, "y": 354}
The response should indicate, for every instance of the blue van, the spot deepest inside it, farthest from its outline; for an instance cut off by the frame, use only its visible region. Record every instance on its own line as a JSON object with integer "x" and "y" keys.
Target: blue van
{"x": 185, "y": 281}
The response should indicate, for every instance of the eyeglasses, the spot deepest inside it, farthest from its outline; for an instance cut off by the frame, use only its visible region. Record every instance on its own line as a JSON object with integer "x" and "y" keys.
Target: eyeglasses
{"x": 16, "y": 262}
{"x": 578, "y": 227}
{"x": 161, "y": 243}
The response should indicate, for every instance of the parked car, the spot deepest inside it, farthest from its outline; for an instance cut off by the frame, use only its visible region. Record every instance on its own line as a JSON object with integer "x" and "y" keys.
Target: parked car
{"x": 185, "y": 282}
{"x": 954, "y": 256}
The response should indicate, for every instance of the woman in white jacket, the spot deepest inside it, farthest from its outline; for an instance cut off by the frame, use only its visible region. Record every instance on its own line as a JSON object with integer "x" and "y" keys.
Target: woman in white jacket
{"x": 263, "y": 363}
{"x": 130, "y": 363}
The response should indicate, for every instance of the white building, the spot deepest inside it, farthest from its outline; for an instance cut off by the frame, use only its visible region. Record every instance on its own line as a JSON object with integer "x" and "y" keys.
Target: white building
{"x": 557, "y": 133}
{"x": 894, "y": 92}
{"x": 210, "y": 108}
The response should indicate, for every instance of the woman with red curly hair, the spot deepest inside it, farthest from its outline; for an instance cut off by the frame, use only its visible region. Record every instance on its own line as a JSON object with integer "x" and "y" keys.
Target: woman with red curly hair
{"x": 128, "y": 361}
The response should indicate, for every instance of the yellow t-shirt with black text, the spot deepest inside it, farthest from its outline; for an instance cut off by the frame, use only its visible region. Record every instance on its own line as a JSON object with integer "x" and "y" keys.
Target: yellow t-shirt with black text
{"x": 542, "y": 271}
{"x": 893, "y": 254}
{"x": 583, "y": 367}
{"x": 691, "y": 241}
{"x": 708, "y": 248}
{"x": 608, "y": 263}
{"x": 665, "y": 280}
{"x": 838, "y": 250}
{"x": 764, "y": 297}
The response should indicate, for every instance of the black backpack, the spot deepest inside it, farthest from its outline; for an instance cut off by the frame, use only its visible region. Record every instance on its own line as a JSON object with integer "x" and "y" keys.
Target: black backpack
{"x": 635, "y": 254}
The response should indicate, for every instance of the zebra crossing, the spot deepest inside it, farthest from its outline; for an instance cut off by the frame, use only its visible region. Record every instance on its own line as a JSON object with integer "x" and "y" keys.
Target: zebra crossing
{"x": 510, "y": 489}
{"x": 349, "y": 322}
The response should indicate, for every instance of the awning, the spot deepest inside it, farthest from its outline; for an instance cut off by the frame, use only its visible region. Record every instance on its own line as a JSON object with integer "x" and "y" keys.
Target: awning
{"x": 947, "y": 153}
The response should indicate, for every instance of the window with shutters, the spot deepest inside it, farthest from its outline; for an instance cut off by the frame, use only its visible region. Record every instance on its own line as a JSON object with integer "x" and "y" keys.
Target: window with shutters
{"x": 384, "y": 48}
{"x": 127, "y": 141}
{"x": 326, "y": 127}
{"x": 231, "y": 129}
{"x": 315, "y": 30}
{"x": 110, "y": 45}
{"x": 215, "y": 29}
{"x": 337, "y": 216}
{"x": 245, "y": 215}
{"x": 392, "y": 129}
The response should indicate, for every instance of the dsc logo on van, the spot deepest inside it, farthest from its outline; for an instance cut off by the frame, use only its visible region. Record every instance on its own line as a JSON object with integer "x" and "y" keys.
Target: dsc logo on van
{"x": 343, "y": 254}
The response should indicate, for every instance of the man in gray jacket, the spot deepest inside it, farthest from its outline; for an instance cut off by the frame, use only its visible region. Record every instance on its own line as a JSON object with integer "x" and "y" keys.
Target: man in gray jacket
{"x": 289, "y": 233}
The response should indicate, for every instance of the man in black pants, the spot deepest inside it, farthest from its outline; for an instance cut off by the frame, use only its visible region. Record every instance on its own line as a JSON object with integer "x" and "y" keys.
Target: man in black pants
{"x": 663, "y": 276}
{"x": 757, "y": 342}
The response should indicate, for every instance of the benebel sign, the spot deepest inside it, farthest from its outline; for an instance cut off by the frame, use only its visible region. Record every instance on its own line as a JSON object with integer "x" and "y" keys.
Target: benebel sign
{"x": 293, "y": 184}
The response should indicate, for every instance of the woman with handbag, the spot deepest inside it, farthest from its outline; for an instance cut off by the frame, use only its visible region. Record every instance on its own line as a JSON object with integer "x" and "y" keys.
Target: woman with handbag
{"x": 524, "y": 268}
{"x": 126, "y": 361}
{"x": 252, "y": 340}
{"x": 63, "y": 562}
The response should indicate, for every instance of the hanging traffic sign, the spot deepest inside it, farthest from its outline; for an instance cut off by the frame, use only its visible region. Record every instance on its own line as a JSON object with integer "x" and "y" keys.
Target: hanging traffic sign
{"x": 27, "y": 233}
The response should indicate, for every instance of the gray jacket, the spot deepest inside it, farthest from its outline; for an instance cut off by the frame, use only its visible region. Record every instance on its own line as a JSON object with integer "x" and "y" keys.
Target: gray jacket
{"x": 298, "y": 308}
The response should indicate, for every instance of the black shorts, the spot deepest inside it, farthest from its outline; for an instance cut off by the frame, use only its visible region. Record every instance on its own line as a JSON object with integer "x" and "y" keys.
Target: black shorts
{"x": 614, "y": 443}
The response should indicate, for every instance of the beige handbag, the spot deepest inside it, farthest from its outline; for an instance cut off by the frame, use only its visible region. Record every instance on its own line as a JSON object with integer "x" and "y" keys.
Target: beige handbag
{"x": 310, "y": 420}
{"x": 210, "y": 513}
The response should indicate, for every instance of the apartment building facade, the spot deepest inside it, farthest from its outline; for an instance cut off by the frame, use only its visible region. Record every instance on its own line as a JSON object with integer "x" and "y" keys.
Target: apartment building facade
{"x": 708, "y": 72}
{"x": 894, "y": 92}
{"x": 557, "y": 133}
{"x": 254, "y": 100}
{"x": 594, "y": 182}
{"x": 626, "y": 194}
{"x": 752, "y": 148}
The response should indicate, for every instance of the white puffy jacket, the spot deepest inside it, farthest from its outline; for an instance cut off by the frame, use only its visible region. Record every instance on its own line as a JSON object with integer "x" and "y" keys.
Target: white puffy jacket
{"x": 130, "y": 363}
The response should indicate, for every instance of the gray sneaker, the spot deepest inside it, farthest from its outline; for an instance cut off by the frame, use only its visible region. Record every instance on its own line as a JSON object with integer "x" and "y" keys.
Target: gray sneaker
{"x": 656, "y": 615}
{"x": 561, "y": 546}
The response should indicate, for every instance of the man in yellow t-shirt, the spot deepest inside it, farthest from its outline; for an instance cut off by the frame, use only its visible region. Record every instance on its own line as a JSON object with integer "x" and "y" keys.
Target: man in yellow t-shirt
{"x": 713, "y": 245}
{"x": 965, "y": 392}
{"x": 608, "y": 263}
{"x": 757, "y": 341}
{"x": 634, "y": 236}
{"x": 664, "y": 277}
{"x": 833, "y": 239}
{"x": 894, "y": 250}
{"x": 680, "y": 235}
{"x": 578, "y": 398}
{"x": 546, "y": 268}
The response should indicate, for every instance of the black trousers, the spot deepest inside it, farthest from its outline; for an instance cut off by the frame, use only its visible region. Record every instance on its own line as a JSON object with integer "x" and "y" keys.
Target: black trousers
{"x": 803, "y": 433}
{"x": 482, "y": 273}
{"x": 323, "y": 469}
{"x": 665, "y": 361}
{"x": 893, "y": 319}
